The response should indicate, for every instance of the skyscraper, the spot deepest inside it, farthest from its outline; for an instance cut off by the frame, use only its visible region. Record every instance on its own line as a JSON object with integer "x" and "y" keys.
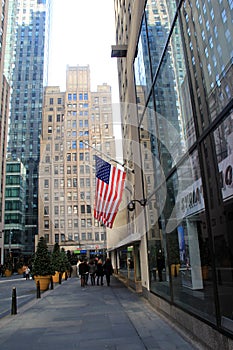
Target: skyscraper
{"x": 77, "y": 124}
{"x": 29, "y": 75}
{"x": 4, "y": 111}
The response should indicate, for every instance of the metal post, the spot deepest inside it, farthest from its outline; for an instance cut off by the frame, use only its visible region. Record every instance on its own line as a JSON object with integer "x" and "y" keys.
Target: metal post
{"x": 38, "y": 289}
{"x": 14, "y": 302}
{"x": 60, "y": 277}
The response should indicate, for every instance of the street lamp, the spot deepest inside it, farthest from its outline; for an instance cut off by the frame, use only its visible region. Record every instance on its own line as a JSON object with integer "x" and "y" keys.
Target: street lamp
{"x": 10, "y": 236}
{"x": 131, "y": 204}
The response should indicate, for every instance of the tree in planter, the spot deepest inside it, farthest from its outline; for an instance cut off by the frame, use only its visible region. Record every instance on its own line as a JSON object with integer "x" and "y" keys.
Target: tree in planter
{"x": 174, "y": 253}
{"x": 42, "y": 263}
{"x": 56, "y": 262}
{"x": 20, "y": 264}
{"x": 8, "y": 265}
{"x": 65, "y": 262}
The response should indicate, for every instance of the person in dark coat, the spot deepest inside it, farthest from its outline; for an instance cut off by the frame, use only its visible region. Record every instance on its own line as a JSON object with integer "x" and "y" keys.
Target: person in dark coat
{"x": 100, "y": 272}
{"x": 160, "y": 265}
{"x": 108, "y": 270}
{"x": 83, "y": 271}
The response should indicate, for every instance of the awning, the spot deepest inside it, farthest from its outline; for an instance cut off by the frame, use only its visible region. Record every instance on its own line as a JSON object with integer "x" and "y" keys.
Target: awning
{"x": 132, "y": 238}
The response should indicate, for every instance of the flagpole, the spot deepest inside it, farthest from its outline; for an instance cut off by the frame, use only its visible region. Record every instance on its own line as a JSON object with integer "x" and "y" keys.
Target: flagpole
{"x": 107, "y": 156}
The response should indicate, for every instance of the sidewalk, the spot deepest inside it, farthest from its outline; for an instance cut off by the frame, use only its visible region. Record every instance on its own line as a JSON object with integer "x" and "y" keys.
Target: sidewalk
{"x": 96, "y": 317}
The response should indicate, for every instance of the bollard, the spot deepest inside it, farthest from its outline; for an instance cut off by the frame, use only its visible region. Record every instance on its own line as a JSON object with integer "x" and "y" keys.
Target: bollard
{"x": 14, "y": 302}
{"x": 51, "y": 280}
{"x": 66, "y": 276}
{"x": 38, "y": 289}
{"x": 60, "y": 277}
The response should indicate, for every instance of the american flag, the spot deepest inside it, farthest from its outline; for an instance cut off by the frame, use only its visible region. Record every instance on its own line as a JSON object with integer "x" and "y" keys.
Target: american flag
{"x": 109, "y": 188}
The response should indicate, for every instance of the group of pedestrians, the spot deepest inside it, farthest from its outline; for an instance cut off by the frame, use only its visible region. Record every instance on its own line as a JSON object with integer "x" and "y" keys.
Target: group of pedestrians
{"x": 96, "y": 269}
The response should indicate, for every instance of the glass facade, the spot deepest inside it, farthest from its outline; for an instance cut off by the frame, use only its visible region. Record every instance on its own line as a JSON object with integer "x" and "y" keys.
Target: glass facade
{"x": 31, "y": 30}
{"x": 15, "y": 239}
{"x": 183, "y": 75}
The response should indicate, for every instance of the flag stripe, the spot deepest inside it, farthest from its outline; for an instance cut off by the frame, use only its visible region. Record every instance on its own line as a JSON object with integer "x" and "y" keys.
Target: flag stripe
{"x": 109, "y": 189}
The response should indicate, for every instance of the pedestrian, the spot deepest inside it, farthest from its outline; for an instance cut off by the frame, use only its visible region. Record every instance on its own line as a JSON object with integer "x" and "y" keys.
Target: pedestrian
{"x": 78, "y": 263}
{"x": 83, "y": 270}
{"x": 160, "y": 265}
{"x": 108, "y": 270}
{"x": 99, "y": 272}
{"x": 87, "y": 272}
{"x": 27, "y": 273}
{"x": 92, "y": 271}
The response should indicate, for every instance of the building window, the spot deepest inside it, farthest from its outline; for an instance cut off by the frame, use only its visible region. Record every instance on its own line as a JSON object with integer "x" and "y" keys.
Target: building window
{"x": 46, "y": 183}
{"x": 46, "y": 210}
{"x": 51, "y": 101}
{"x": 76, "y": 237}
{"x": 46, "y": 224}
{"x": 103, "y": 236}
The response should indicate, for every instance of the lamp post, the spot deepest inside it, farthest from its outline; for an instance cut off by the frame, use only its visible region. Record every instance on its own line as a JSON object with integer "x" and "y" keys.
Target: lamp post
{"x": 10, "y": 237}
{"x": 131, "y": 204}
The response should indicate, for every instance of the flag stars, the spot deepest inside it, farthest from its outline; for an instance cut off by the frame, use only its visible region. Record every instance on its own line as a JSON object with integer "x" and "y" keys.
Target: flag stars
{"x": 102, "y": 169}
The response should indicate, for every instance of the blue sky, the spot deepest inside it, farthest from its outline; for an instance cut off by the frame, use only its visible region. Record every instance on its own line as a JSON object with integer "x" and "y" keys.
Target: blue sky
{"x": 82, "y": 33}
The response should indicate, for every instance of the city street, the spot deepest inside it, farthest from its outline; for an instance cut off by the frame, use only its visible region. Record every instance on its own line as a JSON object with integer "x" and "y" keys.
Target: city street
{"x": 25, "y": 291}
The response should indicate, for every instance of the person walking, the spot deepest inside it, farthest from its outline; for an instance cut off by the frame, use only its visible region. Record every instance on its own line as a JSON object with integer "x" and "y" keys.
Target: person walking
{"x": 83, "y": 271}
{"x": 78, "y": 263}
{"x": 108, "y": 270}
{"x": 27, "y": 273}
{"x": 92, "y": 271}
{"x": 100, "y": 272}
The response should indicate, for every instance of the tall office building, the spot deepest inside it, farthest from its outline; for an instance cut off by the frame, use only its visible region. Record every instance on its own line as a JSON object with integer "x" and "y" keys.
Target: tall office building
{"x": 4, "y": 111}
{"x": 77, "y": 124}
{"x": 28, "y": 77}
{"x": 175, "y": 63}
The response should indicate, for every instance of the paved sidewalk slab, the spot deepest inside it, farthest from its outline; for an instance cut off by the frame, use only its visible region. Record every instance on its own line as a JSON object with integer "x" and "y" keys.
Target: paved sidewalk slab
{"x": 96, "y": 317}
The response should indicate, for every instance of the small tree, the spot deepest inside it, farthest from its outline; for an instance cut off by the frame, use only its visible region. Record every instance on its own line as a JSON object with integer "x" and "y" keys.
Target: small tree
{"x": 56, "y": 258}
{"x": 20, "y": 262}
{"x": 8, "y": 264}
{"x": 42, "y": 264}
{"x": 65, "y": 266}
